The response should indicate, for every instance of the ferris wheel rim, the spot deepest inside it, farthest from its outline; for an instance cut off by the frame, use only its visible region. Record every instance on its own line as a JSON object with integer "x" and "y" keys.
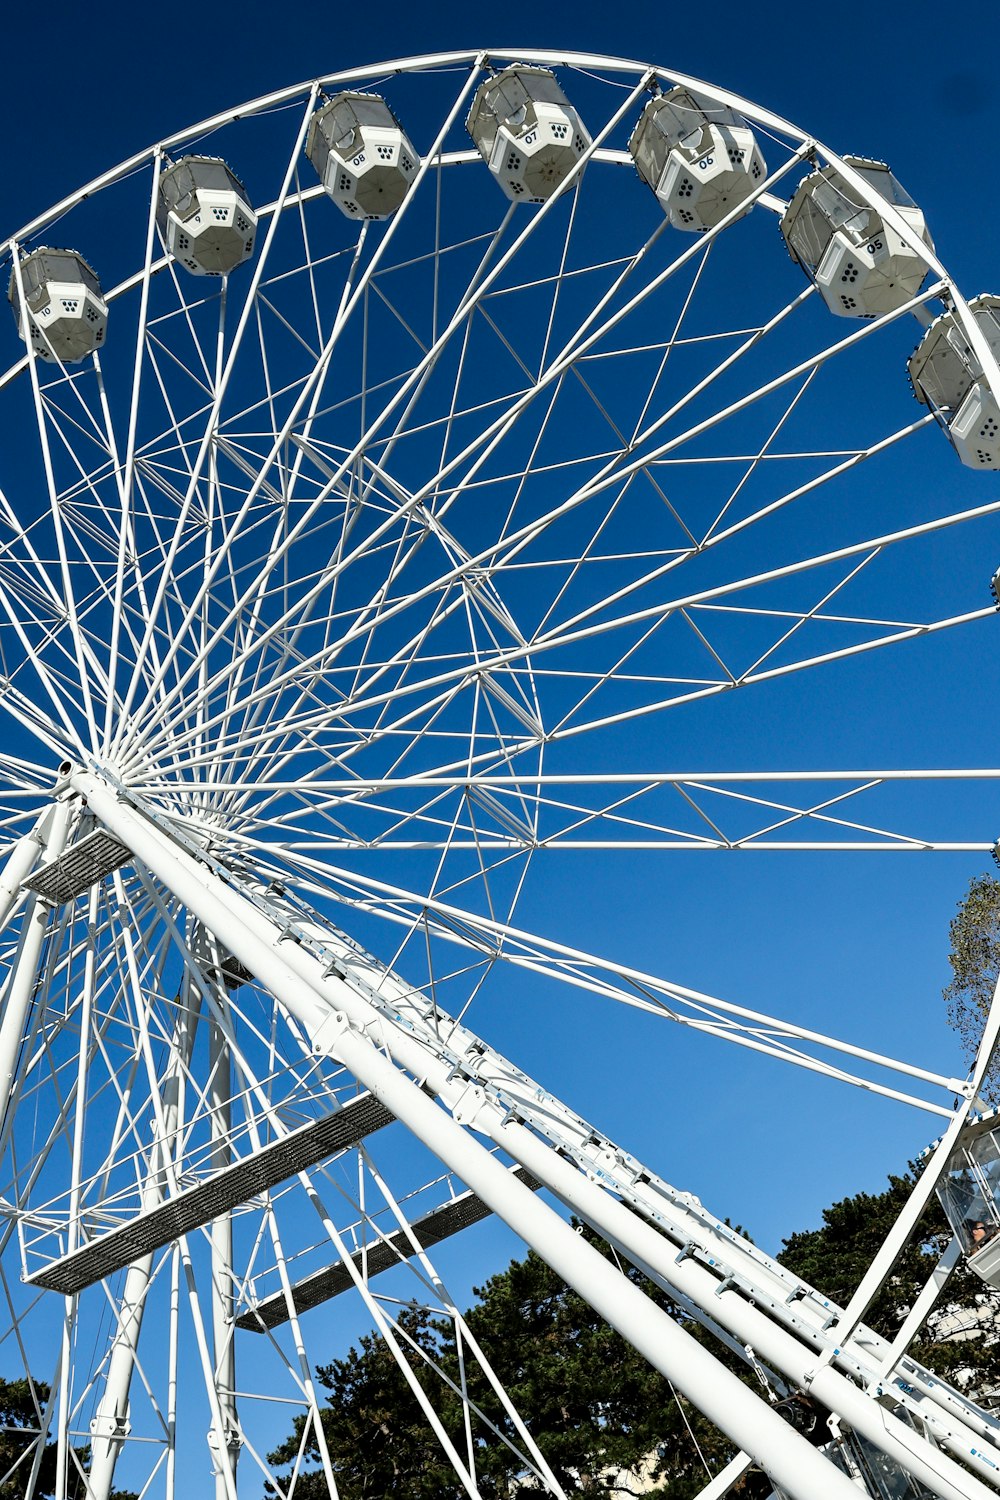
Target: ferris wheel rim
{"x": 254, "y": 829}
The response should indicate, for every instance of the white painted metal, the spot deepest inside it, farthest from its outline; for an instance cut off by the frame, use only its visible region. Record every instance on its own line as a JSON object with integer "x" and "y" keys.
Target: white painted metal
{"x": 58, "y": 305}
{"x": 223, "y": 1333}
{"x": 527, "y": 132}
{"x": 921, "y": 1309}
{"x": 699, "y": 160}
{"x": 475, "y": 1100}
{"x": 204, "y": 216}
{"x": 110, "y": 1427}
{"x": 723, "y": 1482}
{"x": 362, "y": 155}
{"x": 279, "y": 641}
{"x": 19, "y": 864}
{"x": 744, "y": 1416}
{"x": 946, "y": 376}
{"x": 19, "y": 987}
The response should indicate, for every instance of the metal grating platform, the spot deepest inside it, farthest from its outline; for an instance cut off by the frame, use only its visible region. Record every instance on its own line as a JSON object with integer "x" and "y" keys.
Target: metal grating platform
{"x": 79, "y": 868}
{"x": 217, "y": 1195}
{"x": 434, "y": 1227}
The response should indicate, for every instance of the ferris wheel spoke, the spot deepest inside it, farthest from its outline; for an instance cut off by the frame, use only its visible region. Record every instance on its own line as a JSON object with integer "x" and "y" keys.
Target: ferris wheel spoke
{"x": 293, "y": 618}
{"x": 48, "y": 729}
{"x": 219, "y": 396}
{"x": 318, "y": 368}
{"x": 336, "y": 553}
{"x": 724, "y": 1020}
{"x": 535, "y": 1457}
{"x": 456, "y": 321}
{"x": 65, "y": 575}
{"x": 391, "y": 1337}
{"x": 439, "y": 688}
{"x": 583, "y": 342}
{"x": 125, "y": 528}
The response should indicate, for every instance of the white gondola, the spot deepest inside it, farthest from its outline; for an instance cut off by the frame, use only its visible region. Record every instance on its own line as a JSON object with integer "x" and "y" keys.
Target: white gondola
{"x": 67, "y": 316}
{"x": 204, "y": 216}
{"x": 947, "y": 377}
{"x": 701, "y": 160}
{"x": 970, "y": 1195}
{"x": 861, "y": 267}
{"x": 527, "y": 132}
{"x": 362, "y": 155}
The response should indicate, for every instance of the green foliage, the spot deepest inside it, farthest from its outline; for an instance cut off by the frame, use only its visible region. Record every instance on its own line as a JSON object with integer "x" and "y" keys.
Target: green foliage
{"x": 975, "y": 963}
{"x": 835, "y": 1257}
{"x": 591, "y": 1402}
{"x": 22, "y": 1407}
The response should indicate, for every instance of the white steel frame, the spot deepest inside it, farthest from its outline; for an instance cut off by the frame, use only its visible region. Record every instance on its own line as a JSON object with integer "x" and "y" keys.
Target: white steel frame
{"x": 238, "y": 585}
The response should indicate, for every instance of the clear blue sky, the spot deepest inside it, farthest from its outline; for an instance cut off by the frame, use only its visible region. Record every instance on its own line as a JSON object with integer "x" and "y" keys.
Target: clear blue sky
{"x": 911, "y": 90}
{"x": 857, "y": 945}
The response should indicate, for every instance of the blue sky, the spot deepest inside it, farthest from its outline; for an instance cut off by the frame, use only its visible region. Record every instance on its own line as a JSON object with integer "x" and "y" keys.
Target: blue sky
{"x": 928, "y": 103}
{"x": 856, "y": 945}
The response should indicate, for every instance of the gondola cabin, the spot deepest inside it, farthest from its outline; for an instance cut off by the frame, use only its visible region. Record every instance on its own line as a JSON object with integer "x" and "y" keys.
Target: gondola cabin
{"x": 527, "y": 132}
{"x": 204, "y": 216}
{"x": 67, "y": 316}
{"x": 946, "y": 376}
{"x": 970, "y": 1195}
{"x": 861, "y": 267}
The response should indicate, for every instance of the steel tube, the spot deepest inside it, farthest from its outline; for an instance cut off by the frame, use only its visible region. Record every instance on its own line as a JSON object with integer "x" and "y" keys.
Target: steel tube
{"x": 794, "y": 1464}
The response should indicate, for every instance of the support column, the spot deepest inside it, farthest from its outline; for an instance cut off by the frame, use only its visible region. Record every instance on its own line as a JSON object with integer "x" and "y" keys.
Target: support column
{"x": 223, "y": 1303}
{"x": 732, "y": 1406}
{"x": 21, "y": 861}
{"x": 23, "y": 977}
{"x": 110, "y": 1425}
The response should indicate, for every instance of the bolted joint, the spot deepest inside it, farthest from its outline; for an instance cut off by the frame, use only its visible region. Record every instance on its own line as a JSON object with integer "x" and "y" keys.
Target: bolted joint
{"x": 231, "y": 1446}
{"x": 469, "y": 1105}
{"x": 113, "y": 1427}
{"x": 325, "y": 1036}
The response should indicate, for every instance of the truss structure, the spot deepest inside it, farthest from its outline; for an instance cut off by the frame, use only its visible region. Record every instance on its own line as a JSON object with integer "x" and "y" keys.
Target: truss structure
{"x": 364, "y": 584}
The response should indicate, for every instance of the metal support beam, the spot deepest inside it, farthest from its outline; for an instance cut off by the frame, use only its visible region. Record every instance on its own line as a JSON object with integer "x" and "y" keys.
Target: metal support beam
{"x": 451, "y": 1218}
{"x": 21, "y": 981}
{"x": 731, "y": 1405}
{"x": 110, "y": 1425}
{"x": 20, "y": 862}
{"x": 921, "y": 1309}
{"x": 720, "y": 1486}
{"x": 745, "y": 1310}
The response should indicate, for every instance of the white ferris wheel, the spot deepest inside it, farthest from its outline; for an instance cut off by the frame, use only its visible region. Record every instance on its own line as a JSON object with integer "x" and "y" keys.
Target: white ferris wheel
{"x": 389, "y": 464}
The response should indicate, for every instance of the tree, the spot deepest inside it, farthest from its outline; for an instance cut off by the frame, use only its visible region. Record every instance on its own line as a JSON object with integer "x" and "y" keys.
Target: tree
{"x": 975, "y": 963}
{"x": 22, "y": 1403}
{"x": 594, "y": 1405}
{"x": 961, "y": 1340}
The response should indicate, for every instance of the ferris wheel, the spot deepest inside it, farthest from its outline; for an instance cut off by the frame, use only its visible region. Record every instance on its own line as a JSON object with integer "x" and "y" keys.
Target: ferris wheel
{"x": 396, "y": 468}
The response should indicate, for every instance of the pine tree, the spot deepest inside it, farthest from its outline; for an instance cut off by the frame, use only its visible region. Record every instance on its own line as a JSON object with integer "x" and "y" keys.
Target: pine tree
{"x": 594, "y": 1406}
{"x": 22, "y": 1403}
{"x": 834, "y": 1258}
